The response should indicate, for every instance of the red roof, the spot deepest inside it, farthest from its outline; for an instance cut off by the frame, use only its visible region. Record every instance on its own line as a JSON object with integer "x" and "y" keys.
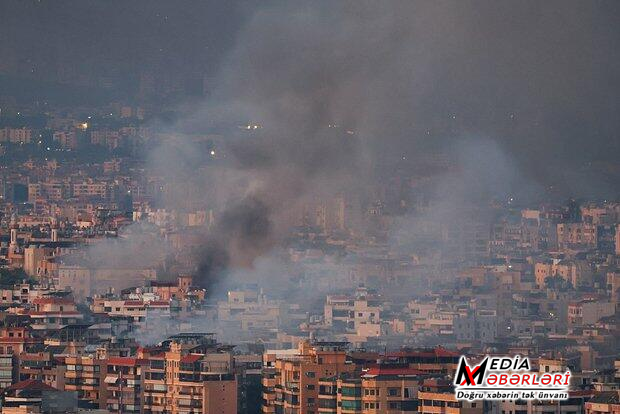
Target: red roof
{"x": 191, "y": 358}
{"x": 443, "y": 352}
{"x": 31, "y": 385}
{"x": 125, "y": 361}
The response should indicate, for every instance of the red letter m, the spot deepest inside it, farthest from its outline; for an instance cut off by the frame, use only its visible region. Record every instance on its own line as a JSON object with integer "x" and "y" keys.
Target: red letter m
{"x": 470, "y": 375}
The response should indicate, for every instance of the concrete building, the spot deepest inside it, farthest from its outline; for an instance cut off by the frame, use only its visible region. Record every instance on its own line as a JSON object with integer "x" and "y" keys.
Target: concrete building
{"x": 85, "y": 375}
{"x": 607, "y": 402}
{"x": 291, "y": 378}
{"x": 480, "y": 325}
{"x": 7, "y": 370}
{"x": 587, "y": 312}
{"x": 195, "y": 374}
{"x": 437, "y": 397}
{"x": 123, "y": 383}
{"x": 377, "y": 390}
{"x": 577, "y": 236}
{"x": 33, "y": 397}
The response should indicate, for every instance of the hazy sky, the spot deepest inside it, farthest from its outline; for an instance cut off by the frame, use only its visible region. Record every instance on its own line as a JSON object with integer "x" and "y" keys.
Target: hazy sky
{"x": 521, "y": 94}
{"x": 539, "y": 78}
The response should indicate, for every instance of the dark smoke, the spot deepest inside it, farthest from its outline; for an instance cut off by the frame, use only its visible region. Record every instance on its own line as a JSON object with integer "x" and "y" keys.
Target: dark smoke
{"x": 242, "y": 233}
{"x": 525, "y": 92}
{"x": 344, "y": 91}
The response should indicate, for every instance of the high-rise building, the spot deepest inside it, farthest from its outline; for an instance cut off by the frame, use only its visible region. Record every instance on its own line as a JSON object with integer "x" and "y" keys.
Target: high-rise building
{"x": 291, "y": 378}
{"x": 123, "y": 382}
{"x": 86, "y": 374}
{"x": 435, "y": 396}
{"x": 192, "y": 373}
{"x": 377, "y": 390}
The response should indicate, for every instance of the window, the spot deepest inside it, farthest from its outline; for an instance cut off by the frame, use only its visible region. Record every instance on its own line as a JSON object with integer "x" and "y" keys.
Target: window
{"x": 351, "y": 392}
{"x": 310, "y": 374}
{"x": 394, "y": 392}
{"x": 351, "y": 405}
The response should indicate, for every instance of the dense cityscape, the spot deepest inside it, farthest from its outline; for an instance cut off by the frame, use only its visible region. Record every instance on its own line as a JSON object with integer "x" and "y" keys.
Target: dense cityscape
{"x": 291, "y": 255}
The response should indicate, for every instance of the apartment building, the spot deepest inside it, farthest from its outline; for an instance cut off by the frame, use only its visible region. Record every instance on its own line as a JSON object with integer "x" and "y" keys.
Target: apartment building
{"x": 16, "y": 339}
{"x": 437, "y": 397}
{"x": 359, "y": 314}
{"x": 192, "y": 374}
{"x": 577, "y": 236}
{"x": 123, "y": 383}
{"x": 291, "y": 377}
{"x": 33, "y": 397}
{"x": 377, "y": 390}
{"x": 587, "y": 312}
{"x": 85, "y": 375}
{"x": 52, "y": 314}
{"x": 607, "y": 402}
{"x": 437, "y": 360}
{"x": 7, "y": 370}
{"x": 41, "y": 366}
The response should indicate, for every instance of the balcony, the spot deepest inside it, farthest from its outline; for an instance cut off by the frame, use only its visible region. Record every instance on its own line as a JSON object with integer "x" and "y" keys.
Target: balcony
{"x": 189, "y": 403}
{"x": 292, "y": 386}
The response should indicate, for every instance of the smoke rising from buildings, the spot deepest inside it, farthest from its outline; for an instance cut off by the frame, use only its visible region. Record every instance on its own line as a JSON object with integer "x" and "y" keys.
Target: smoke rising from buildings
{"x": 344, "y": 93}
{"x": 397, "y": 84}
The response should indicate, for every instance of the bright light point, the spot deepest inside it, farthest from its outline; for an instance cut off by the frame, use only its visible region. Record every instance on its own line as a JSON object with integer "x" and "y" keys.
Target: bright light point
{"x": 212, "y": 152}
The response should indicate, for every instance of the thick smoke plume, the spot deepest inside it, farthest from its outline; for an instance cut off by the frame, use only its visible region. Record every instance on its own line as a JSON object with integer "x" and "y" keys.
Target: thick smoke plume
{"x": 349, "y": 93}
{"x": 345, "y": 91}
{"x": 243, "y": 233}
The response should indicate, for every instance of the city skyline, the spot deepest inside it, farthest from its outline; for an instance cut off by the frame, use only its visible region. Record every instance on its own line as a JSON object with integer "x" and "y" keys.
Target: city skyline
{"x": 327, "y": 207}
